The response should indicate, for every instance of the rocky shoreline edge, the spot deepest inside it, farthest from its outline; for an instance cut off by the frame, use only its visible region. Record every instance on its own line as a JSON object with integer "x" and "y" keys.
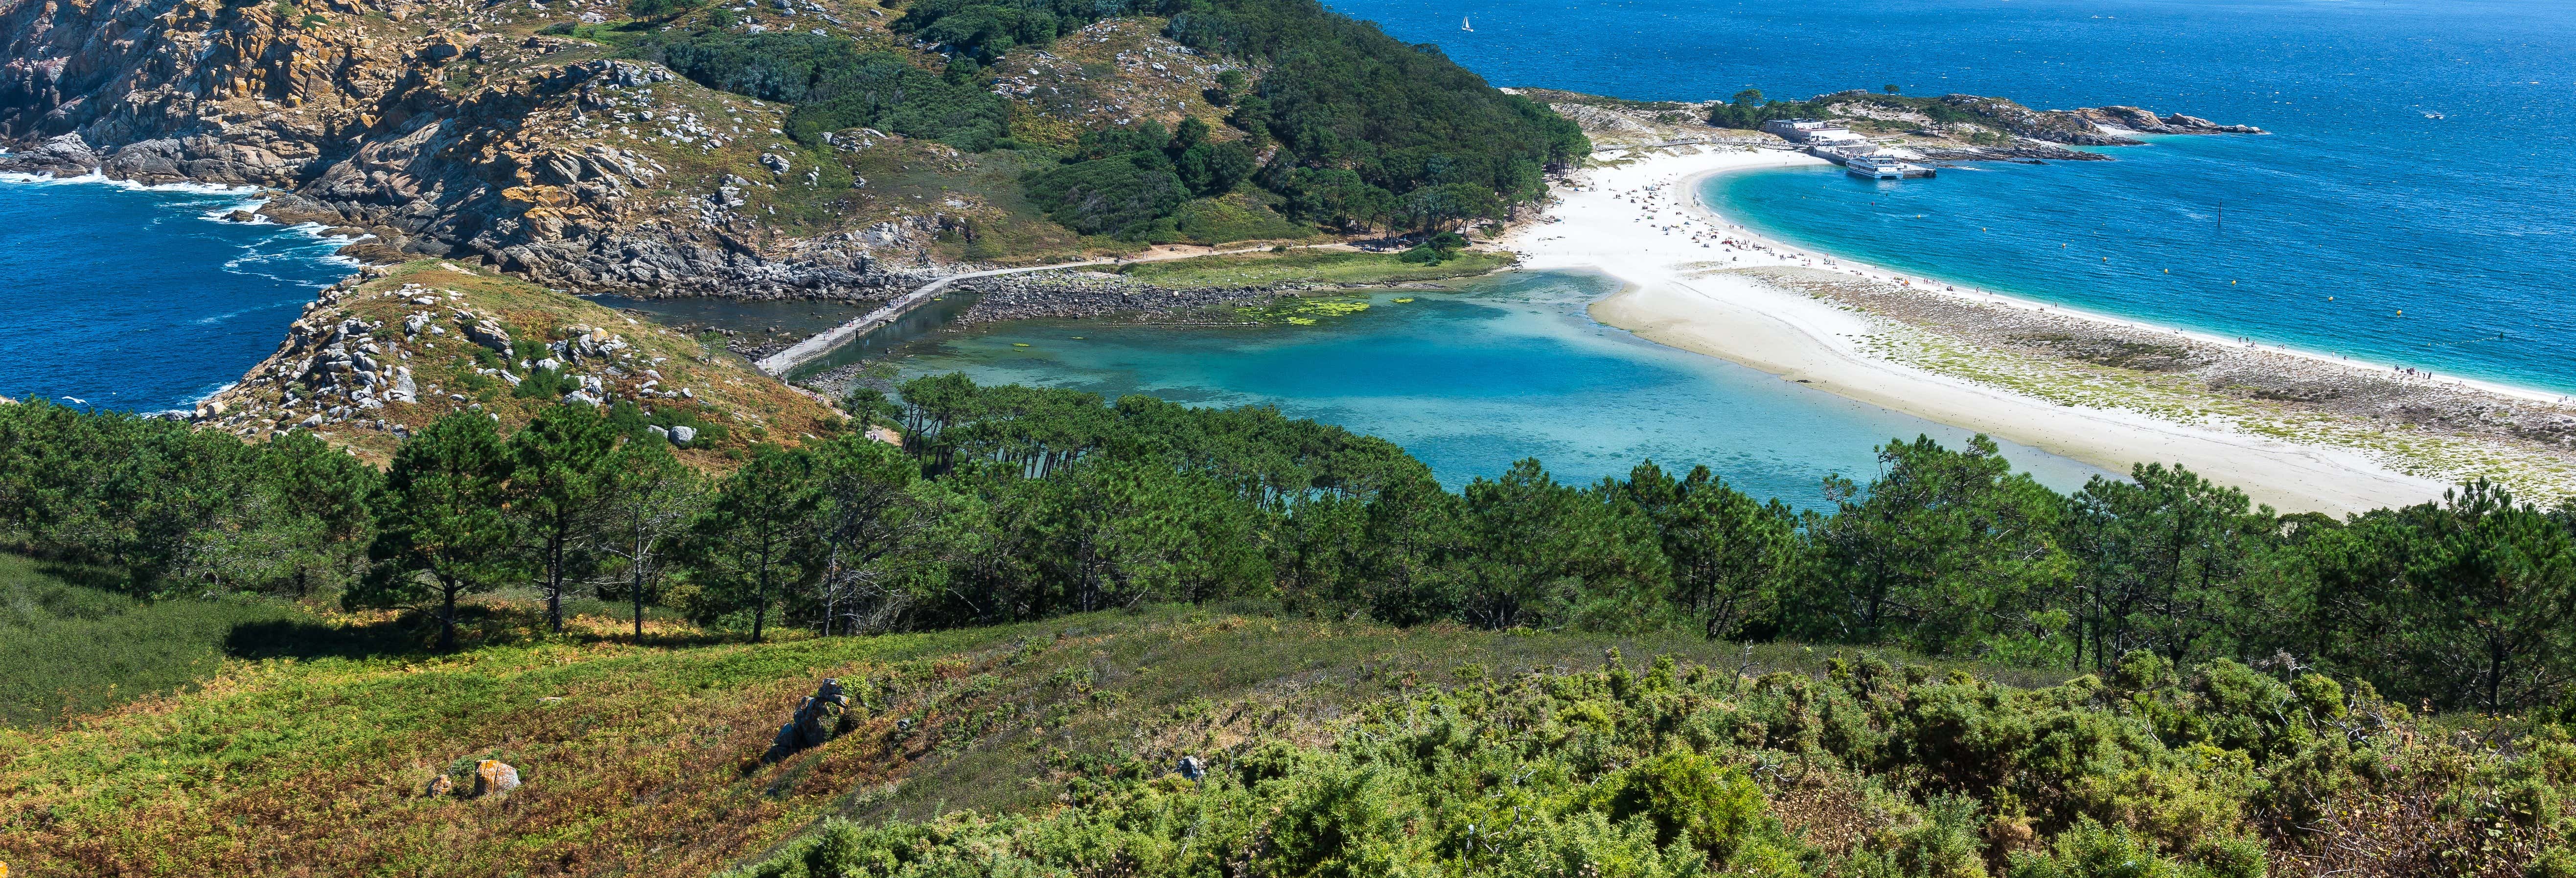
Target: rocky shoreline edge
{"x": 2415, "y": 423}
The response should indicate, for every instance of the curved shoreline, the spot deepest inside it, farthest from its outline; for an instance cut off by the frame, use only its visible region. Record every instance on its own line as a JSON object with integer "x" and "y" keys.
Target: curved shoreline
{"x": 1682, "y": 292}
{"x": 1694, "y": 182}
{"x": 241, "y": 198}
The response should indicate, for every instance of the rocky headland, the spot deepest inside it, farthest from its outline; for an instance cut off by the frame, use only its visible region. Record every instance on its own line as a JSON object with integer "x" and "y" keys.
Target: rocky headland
{"x": 475, "y": 133}
{"x": 1947, "y": 128}
{"x": 485, "y": 134}
{"x": 384, "y": 353}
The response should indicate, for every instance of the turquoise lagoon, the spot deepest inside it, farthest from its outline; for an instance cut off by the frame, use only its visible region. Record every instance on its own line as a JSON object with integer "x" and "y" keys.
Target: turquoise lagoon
{"x": 1499, "y": 369}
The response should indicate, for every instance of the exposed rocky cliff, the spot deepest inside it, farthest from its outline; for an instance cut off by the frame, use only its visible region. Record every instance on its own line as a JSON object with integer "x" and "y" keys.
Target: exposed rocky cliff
{"x": 419, "y": 125}
{"x": 1964, "y": 116}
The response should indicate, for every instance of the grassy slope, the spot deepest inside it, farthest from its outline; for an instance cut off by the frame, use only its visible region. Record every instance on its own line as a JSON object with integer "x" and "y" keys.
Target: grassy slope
{"x": 751, "y": 406}
{"x": 647, "y": 765}
{"x": 69, "y": 649}
{"x": 1104, "y": 74}
{"x": 1309, "y": 266}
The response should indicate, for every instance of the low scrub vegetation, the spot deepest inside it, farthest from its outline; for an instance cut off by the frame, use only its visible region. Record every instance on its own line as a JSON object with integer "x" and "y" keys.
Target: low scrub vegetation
{"x": 1311, "y": 266}
{"x": 1873, "y": 768}
{"x": 311, "y": 747}
{"x": 2153, "y": 675}
{"x": 73, "y": 641}
{"x": 835, "y": 85}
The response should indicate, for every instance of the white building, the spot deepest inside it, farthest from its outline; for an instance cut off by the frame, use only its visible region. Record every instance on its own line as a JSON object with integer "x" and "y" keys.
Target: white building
{"x": 1810, "y": 131}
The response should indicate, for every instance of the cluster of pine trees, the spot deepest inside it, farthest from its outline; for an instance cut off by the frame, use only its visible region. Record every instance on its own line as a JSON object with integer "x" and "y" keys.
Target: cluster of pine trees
{"x": 1012, "y": 503}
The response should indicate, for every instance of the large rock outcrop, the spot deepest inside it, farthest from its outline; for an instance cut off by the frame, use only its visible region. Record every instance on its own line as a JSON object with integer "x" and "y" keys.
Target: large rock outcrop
{"x": 357, "y": 121}
{"x": 2147, "y": 122}
{"x": 818, "y": 720}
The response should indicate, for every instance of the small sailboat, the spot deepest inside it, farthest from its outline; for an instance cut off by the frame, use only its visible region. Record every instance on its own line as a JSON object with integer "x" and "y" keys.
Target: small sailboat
{"x": 1465, "y": 25}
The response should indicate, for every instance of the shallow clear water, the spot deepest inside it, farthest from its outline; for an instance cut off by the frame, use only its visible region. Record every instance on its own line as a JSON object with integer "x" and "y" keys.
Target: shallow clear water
{"x": 1505, "y": 368}
{"x": 806, "y": 318}
{"x": 2463, "y": 222}
{"x": 143, "y": 300}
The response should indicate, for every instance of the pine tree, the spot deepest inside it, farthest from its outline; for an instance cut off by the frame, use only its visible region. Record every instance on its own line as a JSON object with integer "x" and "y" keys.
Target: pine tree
{"x": 442, "y": 530}
{"x": 756, "y": 539}
{"x": 557, "y": 465}
{"x": 646, "y": 499}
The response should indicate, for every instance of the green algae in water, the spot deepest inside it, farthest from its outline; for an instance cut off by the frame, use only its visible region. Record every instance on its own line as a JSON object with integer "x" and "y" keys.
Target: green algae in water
{"x": 1471, "y": 380}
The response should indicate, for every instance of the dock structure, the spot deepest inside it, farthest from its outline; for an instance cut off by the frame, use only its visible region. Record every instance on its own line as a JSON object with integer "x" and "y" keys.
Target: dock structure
{"x": 1867, "y": 161}
{"x": 1812, "y": 131}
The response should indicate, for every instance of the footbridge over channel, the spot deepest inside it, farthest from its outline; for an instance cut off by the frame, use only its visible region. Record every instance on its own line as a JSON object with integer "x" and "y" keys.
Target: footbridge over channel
{"x": 798, "y": 354}
{"x": 824, "y": 342}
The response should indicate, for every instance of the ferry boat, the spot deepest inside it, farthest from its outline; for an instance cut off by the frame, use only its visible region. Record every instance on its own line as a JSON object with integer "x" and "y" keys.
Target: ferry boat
{"x": 1875, "y": 167}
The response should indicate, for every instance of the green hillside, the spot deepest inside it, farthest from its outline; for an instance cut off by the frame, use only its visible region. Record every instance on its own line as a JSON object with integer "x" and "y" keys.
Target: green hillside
{"x": 1044, "y": 602}
{"x": 312, "y": 757}
{"x": 1261, "y": 121}
{"x": 1051, "y": 748}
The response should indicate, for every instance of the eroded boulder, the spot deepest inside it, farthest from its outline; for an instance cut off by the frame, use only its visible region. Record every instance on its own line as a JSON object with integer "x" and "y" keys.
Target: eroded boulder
{"x": 493, "y": 777}
{"x": 490, "y": 334}
{"x": 822, "y": 717}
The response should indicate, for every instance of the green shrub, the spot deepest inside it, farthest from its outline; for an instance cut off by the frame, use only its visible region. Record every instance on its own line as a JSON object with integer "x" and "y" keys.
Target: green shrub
{"x": 2092, "y": 851}
{"x": 1121, "y": 195}
{"x": 545, "y": 384}
{"x": 1688, "y": 796}
{"x": 836, "y": 86}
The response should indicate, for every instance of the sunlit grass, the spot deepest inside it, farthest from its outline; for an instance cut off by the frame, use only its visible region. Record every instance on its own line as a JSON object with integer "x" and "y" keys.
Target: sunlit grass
{"x": 643, "y": 759}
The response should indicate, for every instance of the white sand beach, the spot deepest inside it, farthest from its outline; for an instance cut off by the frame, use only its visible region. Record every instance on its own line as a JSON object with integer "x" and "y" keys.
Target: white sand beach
{"x": 1641, "y": 222}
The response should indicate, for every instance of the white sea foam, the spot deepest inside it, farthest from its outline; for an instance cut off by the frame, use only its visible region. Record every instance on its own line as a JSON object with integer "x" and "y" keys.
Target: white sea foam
{"x": 99, "y": 178}
{"x": 219, "y": 318}
{"x": 221, "y": 213}
{"x": 219, "y": 389}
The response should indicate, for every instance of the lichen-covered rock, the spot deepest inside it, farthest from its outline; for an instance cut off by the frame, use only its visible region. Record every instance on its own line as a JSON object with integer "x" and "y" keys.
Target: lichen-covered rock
{"x": 493, "y": 777}
{"x": 817, "y": 721}
{"x": 439, "y": 786}
{"x": 490, "y": 334}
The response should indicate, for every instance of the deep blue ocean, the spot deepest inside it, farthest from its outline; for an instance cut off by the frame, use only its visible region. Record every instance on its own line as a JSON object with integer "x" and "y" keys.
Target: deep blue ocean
{"x": 142, "y": 300}
{"x": 2464, "y": 222}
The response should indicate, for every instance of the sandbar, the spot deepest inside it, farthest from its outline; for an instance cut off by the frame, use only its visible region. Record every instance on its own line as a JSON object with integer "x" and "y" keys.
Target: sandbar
{"x": 1638, "y": 219}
